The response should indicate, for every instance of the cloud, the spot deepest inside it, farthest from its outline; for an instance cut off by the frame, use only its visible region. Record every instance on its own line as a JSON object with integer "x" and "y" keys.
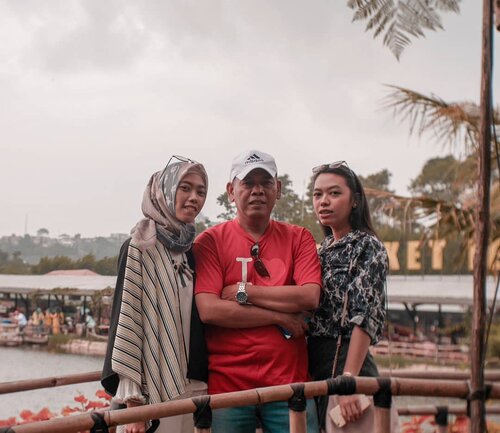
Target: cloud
{"x": 75, "y": 36}
{"x": 96, "y": 95}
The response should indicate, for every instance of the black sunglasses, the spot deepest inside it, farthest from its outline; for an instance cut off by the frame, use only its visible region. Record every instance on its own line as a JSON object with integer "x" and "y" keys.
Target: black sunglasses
{"x": 332, "y": 165}
{"x": 260, "y": 267}
{"x": 180, "y": 159}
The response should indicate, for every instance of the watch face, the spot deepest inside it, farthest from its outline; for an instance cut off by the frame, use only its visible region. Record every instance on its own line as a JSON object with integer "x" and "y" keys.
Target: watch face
{"x": 241, "y": 297}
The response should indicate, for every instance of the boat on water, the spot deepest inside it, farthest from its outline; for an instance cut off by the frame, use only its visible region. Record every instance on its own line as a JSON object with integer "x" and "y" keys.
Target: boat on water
{"x": 12, "y": 335}
{"x": 34, "y": 335}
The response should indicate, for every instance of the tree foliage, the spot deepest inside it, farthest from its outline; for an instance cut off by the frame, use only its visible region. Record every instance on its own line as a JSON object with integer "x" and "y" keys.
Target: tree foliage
{"x": 446, "y": 178}
{"x": 289, "y": 207}
{"x": 401, "y": 20}
{"x": 104, "y": 266}
{"x": 229, "y": 207}
{"x": 14, "y": 264}
{"x": 387, "y": 228}
{"x": 42, "y": 232}
{"x": 447, "y": 201}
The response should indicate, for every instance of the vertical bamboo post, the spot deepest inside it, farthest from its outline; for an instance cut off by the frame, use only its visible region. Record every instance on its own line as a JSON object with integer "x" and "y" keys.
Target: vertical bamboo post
{"x": 202, "y": 430}
{"x": 477, "y": 414}
{"x": 298, "y": 421}
{"x": 297, "y": 405}
{"x": 382, "y": 420}
{"x": 441, "y": 418}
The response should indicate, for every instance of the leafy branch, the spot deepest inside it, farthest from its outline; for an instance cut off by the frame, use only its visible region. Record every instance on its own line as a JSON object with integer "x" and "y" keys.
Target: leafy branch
{"x": 399, "y": 20}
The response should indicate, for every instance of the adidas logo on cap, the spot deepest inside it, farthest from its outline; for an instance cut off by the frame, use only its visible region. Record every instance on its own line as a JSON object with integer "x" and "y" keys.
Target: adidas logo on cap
{"x": 253, "y": 158}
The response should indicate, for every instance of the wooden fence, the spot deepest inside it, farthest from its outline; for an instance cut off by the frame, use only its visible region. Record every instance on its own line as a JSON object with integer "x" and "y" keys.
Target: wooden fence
{"x": 449, "y": 353}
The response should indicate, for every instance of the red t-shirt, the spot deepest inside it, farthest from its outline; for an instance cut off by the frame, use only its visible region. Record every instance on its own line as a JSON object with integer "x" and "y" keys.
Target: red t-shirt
{"x": 254, "y": 357}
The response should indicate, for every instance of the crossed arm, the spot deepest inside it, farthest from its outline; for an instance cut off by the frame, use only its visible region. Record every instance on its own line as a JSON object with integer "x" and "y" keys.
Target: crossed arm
{"x": 287, "y": 299}
{"x": 221, "y": 312}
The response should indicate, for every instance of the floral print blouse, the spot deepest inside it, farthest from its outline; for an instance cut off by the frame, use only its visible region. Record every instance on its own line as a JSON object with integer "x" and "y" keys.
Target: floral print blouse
{"x": 357, "y": 264}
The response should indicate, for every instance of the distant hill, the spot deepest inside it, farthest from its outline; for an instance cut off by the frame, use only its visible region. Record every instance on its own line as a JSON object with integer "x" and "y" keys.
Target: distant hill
{"x": 33, "y": 248}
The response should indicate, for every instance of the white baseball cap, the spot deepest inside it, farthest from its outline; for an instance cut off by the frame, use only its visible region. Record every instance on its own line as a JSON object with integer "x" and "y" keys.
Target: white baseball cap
{"x": 247, "y": 161}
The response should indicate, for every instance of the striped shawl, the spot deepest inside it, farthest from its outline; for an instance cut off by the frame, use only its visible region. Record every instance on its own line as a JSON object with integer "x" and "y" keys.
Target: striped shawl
{"x": 149, "y": 346}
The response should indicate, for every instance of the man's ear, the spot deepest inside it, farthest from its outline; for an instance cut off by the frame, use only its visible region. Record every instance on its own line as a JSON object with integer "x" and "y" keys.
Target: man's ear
{"x": 230, "y": 191}
{"x": 278, "y": 185}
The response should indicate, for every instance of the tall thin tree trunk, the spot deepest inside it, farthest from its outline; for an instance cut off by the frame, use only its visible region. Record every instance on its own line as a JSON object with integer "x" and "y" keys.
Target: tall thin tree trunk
{"x": 478, "y": 421}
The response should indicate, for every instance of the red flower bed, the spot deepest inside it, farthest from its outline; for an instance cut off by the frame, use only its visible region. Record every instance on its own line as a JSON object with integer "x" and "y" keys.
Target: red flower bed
{"x": 85, "y": 405}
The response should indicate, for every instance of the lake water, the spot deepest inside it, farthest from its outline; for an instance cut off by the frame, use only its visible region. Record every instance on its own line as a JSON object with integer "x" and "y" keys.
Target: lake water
{"x": 23, "y": 363}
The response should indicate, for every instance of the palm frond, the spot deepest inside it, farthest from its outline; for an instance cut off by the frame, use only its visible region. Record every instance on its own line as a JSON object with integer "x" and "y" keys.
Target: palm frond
{"x": 401, "y": 19}
{"x": 450, "y": 123}
{"x": 447, "y": 5}
{"x": 395, "y": 39}
{"x": 435, "y": 217}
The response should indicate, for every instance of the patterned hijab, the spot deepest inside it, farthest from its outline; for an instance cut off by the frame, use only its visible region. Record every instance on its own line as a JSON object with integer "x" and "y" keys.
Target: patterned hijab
{"x": 158, "y": 207}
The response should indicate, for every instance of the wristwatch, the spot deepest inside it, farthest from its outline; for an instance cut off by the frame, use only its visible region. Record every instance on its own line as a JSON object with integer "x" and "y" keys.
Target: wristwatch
{"x": 241, "y": 294}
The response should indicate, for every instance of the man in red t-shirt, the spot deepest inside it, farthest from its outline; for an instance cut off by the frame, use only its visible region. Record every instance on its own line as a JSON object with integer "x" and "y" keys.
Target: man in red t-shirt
{"x": 254, "y": 279}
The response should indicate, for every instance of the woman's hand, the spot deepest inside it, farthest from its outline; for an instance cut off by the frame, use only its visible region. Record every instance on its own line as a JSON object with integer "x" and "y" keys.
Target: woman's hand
{"x": 137, "y": 427}
{"x": 350, "y": 407}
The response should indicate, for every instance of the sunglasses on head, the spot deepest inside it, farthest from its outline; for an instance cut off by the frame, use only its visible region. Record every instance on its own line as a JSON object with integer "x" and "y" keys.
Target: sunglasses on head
{"x": 332, "y": 165}
{"x": 258, "y": 263}
{"x": 179, "y": 158}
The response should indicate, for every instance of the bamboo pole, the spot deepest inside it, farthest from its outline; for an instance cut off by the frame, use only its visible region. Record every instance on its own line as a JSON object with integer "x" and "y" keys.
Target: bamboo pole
{"x": 364, "y": 385}
{"x": 478, "y": 424}
{"x": 48, "y": 382}
{"x": 298, "y": 421}
{"x": 297, "y": 410}
{"x": 95, "y": 376}
{"x": 430, "y": 409}
{"x": 489, "y": 375}
{"x": 382, "y": 420}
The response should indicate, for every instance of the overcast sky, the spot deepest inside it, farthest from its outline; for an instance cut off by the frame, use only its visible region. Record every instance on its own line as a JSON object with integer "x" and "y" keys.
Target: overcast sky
{"x": 96, "y": 95}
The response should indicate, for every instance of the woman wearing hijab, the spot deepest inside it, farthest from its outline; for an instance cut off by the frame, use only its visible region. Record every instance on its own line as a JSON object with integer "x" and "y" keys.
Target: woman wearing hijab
{"x": 156, "y": 348}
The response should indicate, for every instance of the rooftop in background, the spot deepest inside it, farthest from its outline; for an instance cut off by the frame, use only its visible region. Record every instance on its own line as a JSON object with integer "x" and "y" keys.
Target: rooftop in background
{"x": 436, "y": 289}
{"x": 74, "y": 272}
{"x": 417, "y": 290}
{"x": 70, "y": 284}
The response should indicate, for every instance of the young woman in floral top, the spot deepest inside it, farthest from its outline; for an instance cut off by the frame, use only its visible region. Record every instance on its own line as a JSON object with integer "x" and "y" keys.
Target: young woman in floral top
{"x": 354, "y": 265}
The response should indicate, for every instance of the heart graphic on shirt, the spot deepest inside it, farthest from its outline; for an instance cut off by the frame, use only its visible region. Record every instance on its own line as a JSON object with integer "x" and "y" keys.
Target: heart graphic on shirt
{"x": 277, "y": 273}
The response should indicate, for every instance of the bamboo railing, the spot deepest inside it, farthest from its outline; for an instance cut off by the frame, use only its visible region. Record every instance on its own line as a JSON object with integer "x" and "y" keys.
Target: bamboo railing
{"x": 430, "y": 409}
{"x": 95, "y": 376}
{"x": 364, "y": 385}
{"x": 48, "y": 382}
{"x": 490, "y": 375}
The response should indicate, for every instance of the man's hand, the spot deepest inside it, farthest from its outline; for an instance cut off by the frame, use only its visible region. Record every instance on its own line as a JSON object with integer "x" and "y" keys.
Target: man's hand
{"x": 350, "y": 407}
{"x": 229, "y": 292}
{"x": 294, "y": 323}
